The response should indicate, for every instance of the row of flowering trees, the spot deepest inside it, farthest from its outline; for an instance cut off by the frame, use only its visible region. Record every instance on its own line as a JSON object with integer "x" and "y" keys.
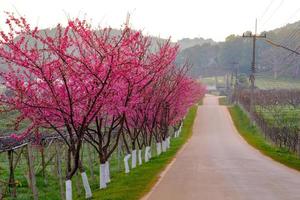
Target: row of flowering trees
{"x": 94, "y": 86}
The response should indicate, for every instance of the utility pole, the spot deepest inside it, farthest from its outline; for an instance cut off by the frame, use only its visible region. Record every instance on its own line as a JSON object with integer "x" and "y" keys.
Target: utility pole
{"x": 253, "y": 69}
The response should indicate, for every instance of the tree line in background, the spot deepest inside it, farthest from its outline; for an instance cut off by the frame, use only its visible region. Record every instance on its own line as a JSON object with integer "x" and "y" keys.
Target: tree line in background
{"x": 211, "y": 59}
{"x": 92, "y": 86}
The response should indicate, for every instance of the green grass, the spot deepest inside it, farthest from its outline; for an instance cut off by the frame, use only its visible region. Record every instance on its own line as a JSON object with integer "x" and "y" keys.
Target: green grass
{"x": 280, "y": 83}
{"x": 280, "y": 115}
{"x": 212, "y": 80}
{"x": 255, "y": 138}
{"x": 262, "y": 82}
{"x": 7, "y": 120}
{"x": 140, "y": 180}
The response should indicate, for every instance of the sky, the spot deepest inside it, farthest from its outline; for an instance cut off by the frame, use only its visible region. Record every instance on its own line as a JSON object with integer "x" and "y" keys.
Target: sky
{"x": 177, "y": 19}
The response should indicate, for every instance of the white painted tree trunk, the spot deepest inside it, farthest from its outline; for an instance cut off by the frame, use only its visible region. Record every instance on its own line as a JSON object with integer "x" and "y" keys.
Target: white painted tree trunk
{"x": 86, "y": 185}
{"x": 126, "y": 158}
{"x": 107, "y": 172}
{"x": 147, "y": 153}
{"x": 164, "y": 146}
{"x": 168, "y": 142}
{"x": 68, "y": 190}
{"x": 140, "y": 157}
{"x": 179, "y": 130}
{"x": 102, "y": 176}
{"x": 158, "y": 148}
{"x": 133, "y": 160}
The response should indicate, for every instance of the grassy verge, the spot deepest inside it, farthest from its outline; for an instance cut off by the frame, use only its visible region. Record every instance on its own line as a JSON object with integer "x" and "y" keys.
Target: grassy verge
{"x": 255, "y": 138}
{"x": 140, "y": 180}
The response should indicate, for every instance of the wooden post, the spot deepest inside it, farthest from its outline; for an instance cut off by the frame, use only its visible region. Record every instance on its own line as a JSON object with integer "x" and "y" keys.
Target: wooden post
{"x": 119, "y": 154}
{"x": 59, "y": 170}
{"x": 12, "y": 183}
{"x": 1, "y": 190}
{"x": 43, "y": 164}
{"x": 77, "y": 183}
{"x": 90, "y": 160}
{"x": 31, "y": 172}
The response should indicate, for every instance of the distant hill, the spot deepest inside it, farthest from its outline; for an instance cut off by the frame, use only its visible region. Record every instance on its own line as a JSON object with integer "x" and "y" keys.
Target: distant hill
{"x": 187, "y": 42}
{"x": 221, "y": 57}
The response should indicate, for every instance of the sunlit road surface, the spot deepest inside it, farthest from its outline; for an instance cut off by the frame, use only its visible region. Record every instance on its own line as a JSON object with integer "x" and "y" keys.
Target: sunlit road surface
{"x": 218, "y": 164}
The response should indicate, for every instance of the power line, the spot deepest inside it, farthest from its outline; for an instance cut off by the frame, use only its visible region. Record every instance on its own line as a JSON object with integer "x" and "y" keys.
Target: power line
{"x": 274, "y": 12}
{"x": 281, "y": 46}
{"x": 267, "y": 9}
{"x": 293, "y": 52}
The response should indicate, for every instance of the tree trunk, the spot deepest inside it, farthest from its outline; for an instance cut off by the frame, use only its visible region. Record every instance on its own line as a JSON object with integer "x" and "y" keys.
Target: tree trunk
{"x": 86, "y": 185}
{"x": 90, "y": 160}
{"x": 133, "y": 160}
{"x": 140, "y": 157}
{"x": 43, "y": 164}
{"x": 147, "y": 153}
{"x": 85, "y": 181}
{"x": 164, "y": 146}
{"x": 158, "y": 148}
{"x": 102, "y": 176}
{"x": 126, "y": 158}
{"x": 59, "y": 170}
{"x": 107, "y": 172}
{"x": 68, "y": 189}
{"x": 12, "y": 184}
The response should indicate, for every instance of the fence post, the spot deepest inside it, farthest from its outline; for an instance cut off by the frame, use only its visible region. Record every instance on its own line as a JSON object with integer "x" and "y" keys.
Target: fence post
{"x": 90, "y": 160}
{"x": 59, "y": 170}
{"x": 11, "y": 182}
{"x": 31, "y": 172}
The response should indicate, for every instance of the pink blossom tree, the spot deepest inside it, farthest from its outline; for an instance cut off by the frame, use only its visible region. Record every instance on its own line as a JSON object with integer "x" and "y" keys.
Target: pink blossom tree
{"x": 94, "y": 86}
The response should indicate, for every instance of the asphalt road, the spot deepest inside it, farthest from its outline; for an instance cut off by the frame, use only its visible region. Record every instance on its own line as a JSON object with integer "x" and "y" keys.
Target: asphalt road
{"x": 217, "y": 164}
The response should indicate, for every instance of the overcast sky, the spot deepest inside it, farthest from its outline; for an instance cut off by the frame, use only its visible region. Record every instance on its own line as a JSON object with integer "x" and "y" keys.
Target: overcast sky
{"x": 179, "y": 19}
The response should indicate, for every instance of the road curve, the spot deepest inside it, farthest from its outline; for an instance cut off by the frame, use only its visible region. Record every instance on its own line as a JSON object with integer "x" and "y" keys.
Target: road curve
{"x": 217, "y": 164}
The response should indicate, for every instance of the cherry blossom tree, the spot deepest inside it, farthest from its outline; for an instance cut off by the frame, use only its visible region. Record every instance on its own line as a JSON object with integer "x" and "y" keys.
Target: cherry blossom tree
{"x": 93, "y": 86}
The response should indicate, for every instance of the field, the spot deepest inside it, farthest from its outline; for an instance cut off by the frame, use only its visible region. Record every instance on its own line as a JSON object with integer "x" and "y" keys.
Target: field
{"x": 220, "y": 80}
{"x": 7, "y": 122}
{"x": 255, "y": 137}
{"x": 280, "y": 115}
{"x": 280, "y": 83}
{"x": 262, "y": 82}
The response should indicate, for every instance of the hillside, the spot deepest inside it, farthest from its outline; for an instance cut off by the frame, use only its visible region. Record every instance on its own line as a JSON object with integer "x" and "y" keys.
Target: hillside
{"x": 187, "y": 42}
{"x": 219, "y": 58}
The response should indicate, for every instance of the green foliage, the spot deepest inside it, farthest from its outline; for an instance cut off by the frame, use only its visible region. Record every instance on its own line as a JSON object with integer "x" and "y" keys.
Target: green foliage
{"x": 255, "y": 138}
